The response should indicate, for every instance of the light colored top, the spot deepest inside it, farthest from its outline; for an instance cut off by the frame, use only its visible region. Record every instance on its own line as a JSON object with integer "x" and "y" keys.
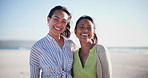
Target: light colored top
{"x": 104, "y": 67}
{"x": 54, "y": 62}
{"x": 89, "y": 69}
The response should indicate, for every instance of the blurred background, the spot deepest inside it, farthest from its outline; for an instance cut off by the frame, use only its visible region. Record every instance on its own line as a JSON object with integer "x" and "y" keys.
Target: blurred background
{"x": 121, "y": 26}
{"x": 118, "y": 22}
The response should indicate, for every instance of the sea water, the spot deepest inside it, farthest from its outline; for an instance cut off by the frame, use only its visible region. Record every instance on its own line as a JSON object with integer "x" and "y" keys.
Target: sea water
{"x": 11, "y": 44}
{"x": 139, "y": 50}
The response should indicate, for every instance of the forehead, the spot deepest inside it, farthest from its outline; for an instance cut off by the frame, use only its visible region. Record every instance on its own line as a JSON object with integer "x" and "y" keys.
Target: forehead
{"x": 60, "y": 14}
{"x": 85, "y": 22}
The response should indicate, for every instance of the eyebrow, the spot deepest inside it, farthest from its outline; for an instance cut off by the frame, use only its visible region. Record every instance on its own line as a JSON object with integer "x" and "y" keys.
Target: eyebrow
{"x": 89, "y": 25}
{"x": 59, "y": 18}
{"x": 83, "y": 25}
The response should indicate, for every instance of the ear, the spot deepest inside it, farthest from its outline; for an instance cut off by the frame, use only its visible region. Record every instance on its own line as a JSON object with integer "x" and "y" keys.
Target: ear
{"x": 48, "y": 19}
{"x": 75, "y": 31}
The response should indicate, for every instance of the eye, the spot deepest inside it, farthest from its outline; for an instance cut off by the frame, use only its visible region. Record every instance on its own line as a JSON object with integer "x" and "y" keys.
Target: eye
{"x": 89, "y": 28}
{"x": 81, "y": 27}
{"x": 64, "y": 22}
{"x": 55, "y": 19}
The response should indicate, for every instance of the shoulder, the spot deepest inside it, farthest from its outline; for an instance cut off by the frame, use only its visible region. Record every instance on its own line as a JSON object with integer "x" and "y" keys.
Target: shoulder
{"x": 69, "y": 41}
{"x": 77, "y": 51}
{"x": 70, "y": 44}
{"x": 101, "y": 50}
{"x": 38, "y": 44}
{"x": 76, "y": 54}
{"x": 100, "y": 47}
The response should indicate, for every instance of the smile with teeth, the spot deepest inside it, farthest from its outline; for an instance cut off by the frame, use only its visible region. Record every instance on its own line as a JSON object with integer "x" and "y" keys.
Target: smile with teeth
{"x": 86, "y": 35}
{"x": 57, "y": 28}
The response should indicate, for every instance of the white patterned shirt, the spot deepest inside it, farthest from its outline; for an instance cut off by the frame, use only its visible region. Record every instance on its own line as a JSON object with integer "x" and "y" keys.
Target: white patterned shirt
{"x": 54, "y": 62}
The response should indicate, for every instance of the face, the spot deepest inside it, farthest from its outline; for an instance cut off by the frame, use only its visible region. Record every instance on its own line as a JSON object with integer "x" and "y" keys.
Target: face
{"x": 57, "y": 23}
{"x": 85, "y": 30}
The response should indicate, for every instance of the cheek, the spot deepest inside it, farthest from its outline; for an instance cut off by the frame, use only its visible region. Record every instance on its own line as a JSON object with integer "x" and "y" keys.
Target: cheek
{"x": 64, "y": 26}
{"x": 76, "y": 33}
{"x": 92, "y": 34}
{"x": 49, "y": 22}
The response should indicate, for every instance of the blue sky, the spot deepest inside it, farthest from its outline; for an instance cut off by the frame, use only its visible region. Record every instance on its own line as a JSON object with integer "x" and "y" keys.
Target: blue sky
{"x": 118, "y": 22}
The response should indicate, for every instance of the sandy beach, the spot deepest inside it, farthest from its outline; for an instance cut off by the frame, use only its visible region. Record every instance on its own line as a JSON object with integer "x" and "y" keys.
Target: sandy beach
{"x": 129, "y": 65}
{"x": 15, "y": 64}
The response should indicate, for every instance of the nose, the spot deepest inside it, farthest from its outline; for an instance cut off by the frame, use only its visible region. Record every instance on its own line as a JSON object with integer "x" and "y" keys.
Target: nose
{"x": 85, "y": 29}
{"x": 59, "y": 23}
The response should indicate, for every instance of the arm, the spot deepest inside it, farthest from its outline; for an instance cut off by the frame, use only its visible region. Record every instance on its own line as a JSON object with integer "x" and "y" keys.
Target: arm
{"x": 34, "y": 63}
{"x": 105, "y": 62}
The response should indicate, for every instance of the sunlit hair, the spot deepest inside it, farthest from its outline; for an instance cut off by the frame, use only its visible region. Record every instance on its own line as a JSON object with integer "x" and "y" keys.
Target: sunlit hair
{"x": 95, "y": 39}
{"x": 67, "y": 32}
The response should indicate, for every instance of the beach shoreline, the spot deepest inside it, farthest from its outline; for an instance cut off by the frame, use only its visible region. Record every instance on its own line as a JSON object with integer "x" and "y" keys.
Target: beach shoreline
{"x": 15, "y": 64}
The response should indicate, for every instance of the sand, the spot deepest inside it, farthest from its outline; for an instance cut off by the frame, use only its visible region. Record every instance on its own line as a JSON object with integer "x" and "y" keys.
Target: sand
{"x": 129, "y": 65}
{"x": 15, "y": 64}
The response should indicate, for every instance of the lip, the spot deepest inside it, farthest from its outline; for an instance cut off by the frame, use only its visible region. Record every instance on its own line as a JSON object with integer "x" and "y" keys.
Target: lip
{"x": 57, "y": 28}
{"x": 84, "y": 35}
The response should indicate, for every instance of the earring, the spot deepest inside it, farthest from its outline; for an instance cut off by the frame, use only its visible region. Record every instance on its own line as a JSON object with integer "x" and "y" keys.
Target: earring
{"x": 48, "y": 24}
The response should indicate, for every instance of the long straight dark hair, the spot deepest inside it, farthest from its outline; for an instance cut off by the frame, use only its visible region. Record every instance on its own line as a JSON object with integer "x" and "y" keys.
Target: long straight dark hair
{"x": 67, "y": 32}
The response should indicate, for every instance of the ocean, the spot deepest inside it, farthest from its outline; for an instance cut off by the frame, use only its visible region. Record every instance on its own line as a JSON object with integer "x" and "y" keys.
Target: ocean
{"x": 16, "y": 45}
{"x": 137, "y": 50}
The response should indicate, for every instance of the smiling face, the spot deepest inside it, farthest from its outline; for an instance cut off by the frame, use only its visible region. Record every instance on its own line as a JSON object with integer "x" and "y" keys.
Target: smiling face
{"x": 85, "y": 30}
{"x": 57, "y": 23}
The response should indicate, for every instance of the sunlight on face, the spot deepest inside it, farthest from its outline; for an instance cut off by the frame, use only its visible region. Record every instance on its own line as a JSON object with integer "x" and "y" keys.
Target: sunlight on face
{"x": 85, "y": 30}
{"x": 57, "y": 23}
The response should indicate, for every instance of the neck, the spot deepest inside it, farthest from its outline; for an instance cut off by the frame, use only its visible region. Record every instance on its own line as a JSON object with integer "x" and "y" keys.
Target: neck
{"x": 85, "y": 47}
{"x": 56, "y": 37}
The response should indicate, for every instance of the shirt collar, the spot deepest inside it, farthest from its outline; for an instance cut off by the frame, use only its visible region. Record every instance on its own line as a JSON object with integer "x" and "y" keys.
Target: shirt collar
{"x": 66, "y": 41}
{"x": 52, "y": 39}
{"x": 49, "y": 37}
